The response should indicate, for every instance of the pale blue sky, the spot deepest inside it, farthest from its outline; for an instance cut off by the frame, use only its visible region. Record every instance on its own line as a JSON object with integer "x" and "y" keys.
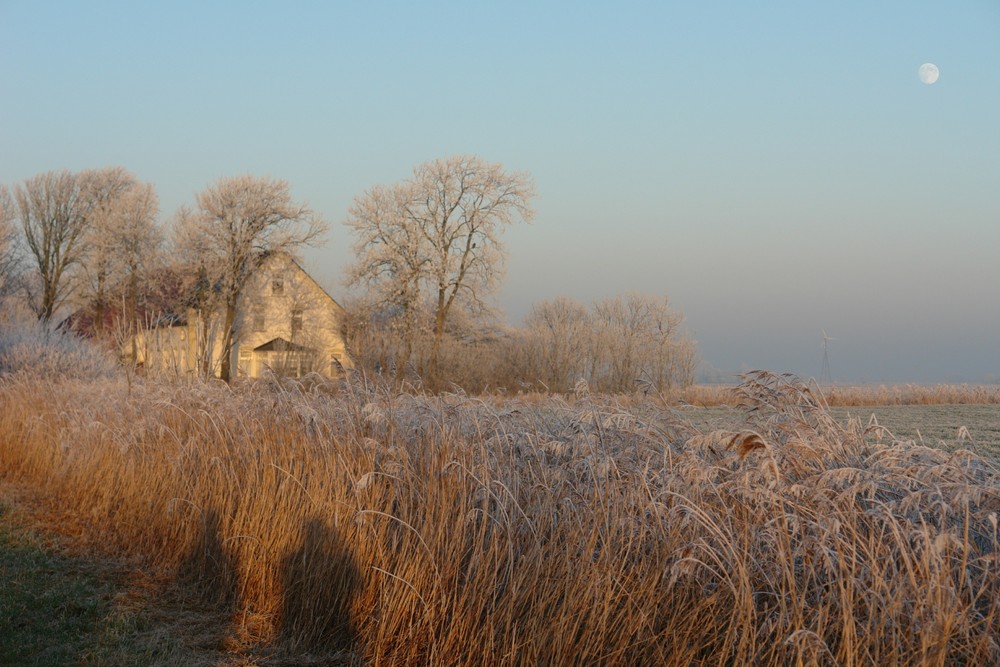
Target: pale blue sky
{"x": 776, "y": 168}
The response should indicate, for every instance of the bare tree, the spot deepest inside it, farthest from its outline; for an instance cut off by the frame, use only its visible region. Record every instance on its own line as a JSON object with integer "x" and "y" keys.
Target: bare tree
{"x": 52, "y": 212}
{"x": 623, "y": 330}
{"x": 558, "y": 334}
{"x": 9, "y": 256}
{"x": 622, "y": 343}
{"x": 636, "y": 340}
{"x": 100, "y": 189}
{"x": 239, "y": 222}
{"x": 191, "y": 249}
{"x": 138, "y": 237}
{"x": 122, "y": 239}
{"x": 136, "y": 244}
{"x": 391, "y": 259}
{"x": 438, "y": 231}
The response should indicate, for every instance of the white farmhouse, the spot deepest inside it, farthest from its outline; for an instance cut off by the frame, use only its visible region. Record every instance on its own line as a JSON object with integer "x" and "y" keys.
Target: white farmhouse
{"x": 285, "y": 323}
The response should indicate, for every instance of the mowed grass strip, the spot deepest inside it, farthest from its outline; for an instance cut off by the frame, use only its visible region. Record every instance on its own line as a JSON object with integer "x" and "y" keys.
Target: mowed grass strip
{"x": 61, "y": 608}
{"x": 62, "y": 603}
{"x": 54, "y": 610}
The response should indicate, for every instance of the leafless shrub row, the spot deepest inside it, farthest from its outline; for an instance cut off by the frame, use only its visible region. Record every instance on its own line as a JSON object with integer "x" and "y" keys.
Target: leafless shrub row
{"x": 624, "y": 344}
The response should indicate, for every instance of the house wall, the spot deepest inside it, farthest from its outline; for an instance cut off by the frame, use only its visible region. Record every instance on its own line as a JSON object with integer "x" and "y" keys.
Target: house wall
{"x": 282, "y": 300}
{"x": 164, "y": 349}
{"x": 295, "y": 308}
{"x": 181, "y": 349}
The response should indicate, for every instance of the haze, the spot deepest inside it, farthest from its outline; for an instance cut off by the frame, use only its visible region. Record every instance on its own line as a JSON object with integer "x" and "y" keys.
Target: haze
{"x": 776, "y": 169}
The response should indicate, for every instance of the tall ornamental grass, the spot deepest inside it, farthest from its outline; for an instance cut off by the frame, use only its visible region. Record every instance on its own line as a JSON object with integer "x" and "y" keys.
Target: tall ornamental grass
{"x": 389, "y": 528}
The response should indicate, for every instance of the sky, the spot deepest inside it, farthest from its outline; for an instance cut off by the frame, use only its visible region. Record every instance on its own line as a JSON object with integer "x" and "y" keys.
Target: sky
{"x": 777, "y": 169}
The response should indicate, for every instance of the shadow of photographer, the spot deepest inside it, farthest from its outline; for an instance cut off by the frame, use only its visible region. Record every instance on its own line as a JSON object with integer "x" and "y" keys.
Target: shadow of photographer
{"x": 320, "y": 580}
{"x": 211, "y": 567}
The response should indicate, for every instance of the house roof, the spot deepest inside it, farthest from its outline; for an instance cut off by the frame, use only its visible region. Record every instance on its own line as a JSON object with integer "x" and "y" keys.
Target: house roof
{"x": 291, "y": 259}
{"x": 166, "y": 318}
{"x": 85, "y": 321}
{"x": 279, "y": 344}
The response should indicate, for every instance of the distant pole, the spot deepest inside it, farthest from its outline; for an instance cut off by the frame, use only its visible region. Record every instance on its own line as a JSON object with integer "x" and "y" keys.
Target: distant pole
{"x": 825, "y": 375}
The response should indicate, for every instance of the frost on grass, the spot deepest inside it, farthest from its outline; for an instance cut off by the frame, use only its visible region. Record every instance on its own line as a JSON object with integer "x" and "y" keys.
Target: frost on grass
{"x": 571, "y": 531}
{"x": 40, "y": 349}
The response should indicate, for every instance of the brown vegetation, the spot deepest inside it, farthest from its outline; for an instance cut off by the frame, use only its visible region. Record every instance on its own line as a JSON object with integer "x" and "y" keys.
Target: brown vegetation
{"x": 624, "y": 344}
{"x": 432, "y": 243}
{"x": 408, "y": 529}
{"x": 914, "y": 394}
{"x": 856, "y": 396}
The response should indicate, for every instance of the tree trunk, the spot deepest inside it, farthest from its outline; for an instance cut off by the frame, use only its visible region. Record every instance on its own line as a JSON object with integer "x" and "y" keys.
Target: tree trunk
{"x": 131, "y": 315}
{"x": 439, "y": 319}
{"x": 407, "y": 345}
{"x": 100, "y": 306}
{"x": 48, "y": 302}
{"x": 225, "y": 368}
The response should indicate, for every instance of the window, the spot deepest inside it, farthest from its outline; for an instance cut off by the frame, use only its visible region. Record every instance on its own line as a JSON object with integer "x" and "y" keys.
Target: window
{"x": 296, "y": 321}
{"x": 277, "y": 285}
{"x": 259, "y": 323}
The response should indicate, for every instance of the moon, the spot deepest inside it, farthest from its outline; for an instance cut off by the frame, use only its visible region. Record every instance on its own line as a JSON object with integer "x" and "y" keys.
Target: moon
{"x": 928, "y": 73}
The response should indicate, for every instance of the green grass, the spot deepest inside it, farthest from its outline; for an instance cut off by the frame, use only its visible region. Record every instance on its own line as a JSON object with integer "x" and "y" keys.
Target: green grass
{"x": 51, "y": 608}
{"x": 62, "y": 610}
{"x": 58, "y": 609}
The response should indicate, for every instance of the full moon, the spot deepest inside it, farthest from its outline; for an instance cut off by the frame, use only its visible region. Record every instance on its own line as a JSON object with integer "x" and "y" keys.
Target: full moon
{"x": 929, "y": 73}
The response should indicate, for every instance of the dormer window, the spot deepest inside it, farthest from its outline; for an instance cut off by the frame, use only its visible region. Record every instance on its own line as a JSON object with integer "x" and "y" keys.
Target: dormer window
{"x": 277, "y": 286}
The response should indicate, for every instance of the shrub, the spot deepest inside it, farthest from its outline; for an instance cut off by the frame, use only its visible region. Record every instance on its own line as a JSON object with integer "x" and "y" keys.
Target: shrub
{"x": 36, "y": 348}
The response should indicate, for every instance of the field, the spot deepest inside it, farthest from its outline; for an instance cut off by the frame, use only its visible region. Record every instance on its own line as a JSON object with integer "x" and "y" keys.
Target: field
{"x": 352, "y": 524}
{"x": 949, "y": 427}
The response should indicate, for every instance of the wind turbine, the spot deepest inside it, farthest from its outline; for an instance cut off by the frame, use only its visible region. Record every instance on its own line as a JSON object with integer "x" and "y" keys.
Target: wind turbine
{"x": 825, "y": 375}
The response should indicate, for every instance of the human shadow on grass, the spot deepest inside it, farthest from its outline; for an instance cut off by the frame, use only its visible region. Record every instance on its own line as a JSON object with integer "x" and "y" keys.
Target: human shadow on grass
{"x": 320, "y": 580}
{"x": 210, "y": 567}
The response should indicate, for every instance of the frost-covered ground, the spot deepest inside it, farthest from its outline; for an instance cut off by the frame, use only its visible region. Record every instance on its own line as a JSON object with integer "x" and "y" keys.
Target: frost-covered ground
{"x": 950, "y": 427}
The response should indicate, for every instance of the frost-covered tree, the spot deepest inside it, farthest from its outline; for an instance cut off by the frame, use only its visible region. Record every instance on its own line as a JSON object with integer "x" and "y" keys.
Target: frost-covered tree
{"x": 636, "y": 340}
{"x": 78, "y": 228}
{"x": 137, "y": 239}
{"x": 558, "y": 333}
{"x": 51, "y": 208}
{"x": 620, "y": 344}
{"x": 436, "y": 237}
{"x": 122, "y": 238}
{"x": 8, "y": 243}
{"x": 391, "y": 261}
{"x": 238, "y": 222}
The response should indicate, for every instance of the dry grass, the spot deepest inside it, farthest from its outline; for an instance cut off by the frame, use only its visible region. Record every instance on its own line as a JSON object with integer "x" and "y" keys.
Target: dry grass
{"x": 914, "y": 394}
{"x": 406, "y": 529}
{"x": 857, "y": 395}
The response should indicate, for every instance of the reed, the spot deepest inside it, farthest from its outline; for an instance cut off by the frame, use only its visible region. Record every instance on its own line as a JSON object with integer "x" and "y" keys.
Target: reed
{"x": 401, "y": 528}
